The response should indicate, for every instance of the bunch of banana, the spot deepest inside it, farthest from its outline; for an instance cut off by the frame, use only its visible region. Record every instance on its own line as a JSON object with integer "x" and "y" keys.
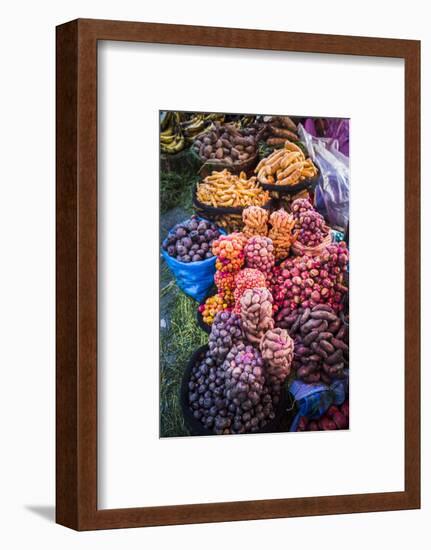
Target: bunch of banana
{"x": 214, "y": 116}
{"x": 194, "y": 126}
{"x": 246, "y": 120}
{"x": 179, "y": 128}
{"x": 172, "y": 139}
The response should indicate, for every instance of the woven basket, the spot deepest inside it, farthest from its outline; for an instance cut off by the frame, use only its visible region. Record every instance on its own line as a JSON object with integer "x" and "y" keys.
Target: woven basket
{"x": 209, "y": 166}
{"x": 227, "y": 217}
{"x": 299, "y": 249}
{"x": 283, "y": 190}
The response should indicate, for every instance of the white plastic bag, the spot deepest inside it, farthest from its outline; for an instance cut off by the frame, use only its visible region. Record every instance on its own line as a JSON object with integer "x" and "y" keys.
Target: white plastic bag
{"x": 332, "y": 190}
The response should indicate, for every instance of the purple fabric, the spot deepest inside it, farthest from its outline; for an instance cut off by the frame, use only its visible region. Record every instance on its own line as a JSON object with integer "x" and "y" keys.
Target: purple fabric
{"x": 338, "y": 128}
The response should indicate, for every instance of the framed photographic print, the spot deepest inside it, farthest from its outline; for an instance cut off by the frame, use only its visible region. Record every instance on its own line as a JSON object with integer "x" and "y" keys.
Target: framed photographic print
{"x": 238, "y": 274}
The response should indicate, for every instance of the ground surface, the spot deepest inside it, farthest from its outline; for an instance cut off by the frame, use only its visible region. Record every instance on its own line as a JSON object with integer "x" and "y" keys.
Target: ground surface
{"x": 180, "y": 334}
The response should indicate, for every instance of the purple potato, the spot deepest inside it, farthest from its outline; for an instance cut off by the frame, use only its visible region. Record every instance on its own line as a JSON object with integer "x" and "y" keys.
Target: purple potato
{"x": 187, "y": 242}
{"x": 180, "y": 232}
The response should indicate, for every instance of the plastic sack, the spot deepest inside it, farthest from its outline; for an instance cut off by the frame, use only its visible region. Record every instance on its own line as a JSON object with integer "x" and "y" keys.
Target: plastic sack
{"x": 335, "y": 130}
{"x": 313, "y": 400}
{"x": 333, "y": 186}
{"x": 337, "y": 236}
{"x": 195, "y": 278}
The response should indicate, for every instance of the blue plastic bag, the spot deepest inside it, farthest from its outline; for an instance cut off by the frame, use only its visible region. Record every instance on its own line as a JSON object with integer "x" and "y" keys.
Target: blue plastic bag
{"x": 195, "y": 278}
{"x": 313, "y": 400}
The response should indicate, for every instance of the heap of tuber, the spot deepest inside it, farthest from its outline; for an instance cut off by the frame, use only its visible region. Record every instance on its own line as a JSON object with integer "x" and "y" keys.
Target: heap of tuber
{"x": 321, "y": 339}
{"x": 245, "y": 279}
{"x": 282, "y": 225}
{"x": 255, "y": 221}
{"x": 277, "y": 351}
{"x": 256, "y": 313}
{"x": 259, "y": 254}
{"x": 310, "y": 281}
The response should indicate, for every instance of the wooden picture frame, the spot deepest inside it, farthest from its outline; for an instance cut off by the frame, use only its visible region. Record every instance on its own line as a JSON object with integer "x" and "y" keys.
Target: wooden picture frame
{"x": 76, "y": 375}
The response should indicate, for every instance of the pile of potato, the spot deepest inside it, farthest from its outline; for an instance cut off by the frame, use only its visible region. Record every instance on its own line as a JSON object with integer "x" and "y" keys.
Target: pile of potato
{"x": 286, "y": 166}
{"x": 278, "y": 129}
{"x": 278, "y": 227}
{"x": 335, "y": 418}
{"x": 277, "y": 348}
{"x": 321, "y": 344}
{"x": 256, "y": 313}
{"x": 226, "y": 144}
{"x": 222, "y": 189}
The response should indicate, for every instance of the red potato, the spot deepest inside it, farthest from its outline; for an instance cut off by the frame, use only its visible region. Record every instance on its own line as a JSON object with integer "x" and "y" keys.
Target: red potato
{"x": 335, "y": 418}
{"x": 327, "y": 424}
{"x": 340, "y": 421}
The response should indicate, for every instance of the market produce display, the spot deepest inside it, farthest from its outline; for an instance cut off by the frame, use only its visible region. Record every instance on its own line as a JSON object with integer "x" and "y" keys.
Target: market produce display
{"x": 179, "y": 129}
{"x": 234, "y": 388}
{"x": 321, "y": 343}
{"x": 335, "y": 418}
{"x": 225, "y": 333}
{"x": 259, "y": 254}
{"x": 226, "y": 144}
{"x": 212, "y": 306}
{"x": 311, "y": 228}
{"x": 223, "y": 189}
{"x": 256, "y": 313}
{"x": 307, "y": 282}
{"x": 255, "y": 221}
{"x": 191, "y": 240}
{"x": 286, "y": 166}
{"x": 232, "y": 397}
{"x": 247, "y": 279}
{"x": 300, "y": 206}
{"x": 267, "y": 273}
{"x": 277, "y": 348}
{"x": 229, "y": 250}
{"x": 280, "y": 233}
{"x": 277, "y": 129}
